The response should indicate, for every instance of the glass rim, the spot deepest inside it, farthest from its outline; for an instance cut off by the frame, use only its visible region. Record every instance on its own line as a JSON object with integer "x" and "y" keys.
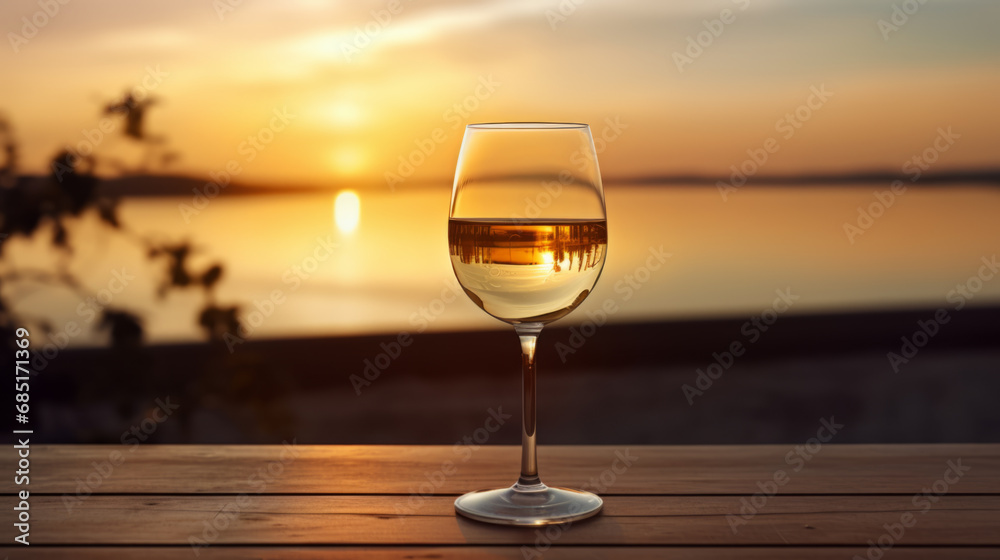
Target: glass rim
{"x": 526, "y": 125}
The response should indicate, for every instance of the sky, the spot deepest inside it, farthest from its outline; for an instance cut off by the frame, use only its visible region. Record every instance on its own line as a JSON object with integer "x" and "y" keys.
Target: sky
{"x": 377, "y": 94}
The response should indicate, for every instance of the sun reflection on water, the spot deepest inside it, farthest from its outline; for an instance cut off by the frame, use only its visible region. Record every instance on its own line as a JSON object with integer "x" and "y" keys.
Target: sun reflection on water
{"x": 347, "y": 211}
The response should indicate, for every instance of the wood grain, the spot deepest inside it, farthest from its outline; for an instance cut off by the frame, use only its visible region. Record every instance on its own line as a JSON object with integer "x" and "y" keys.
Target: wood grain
{"x": 674, "y": 470}
{"x": 497, "y": 553}
{"x": 382, "y": 520}
{"x": 375, "y": 502}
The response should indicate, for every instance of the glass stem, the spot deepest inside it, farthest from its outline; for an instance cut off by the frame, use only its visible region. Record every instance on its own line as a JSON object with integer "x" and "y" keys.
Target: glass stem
{"x": 528, "y": 334}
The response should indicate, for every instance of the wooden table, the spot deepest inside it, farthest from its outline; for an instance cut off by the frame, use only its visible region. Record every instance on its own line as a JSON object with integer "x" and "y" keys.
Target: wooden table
{"x": 294, "y": 501}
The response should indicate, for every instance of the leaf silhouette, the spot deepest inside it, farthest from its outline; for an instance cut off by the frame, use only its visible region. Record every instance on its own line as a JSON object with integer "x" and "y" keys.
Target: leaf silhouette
{"x": 126, "y": 328}
{"x": 217, "y": 321}
{"x": 107, "y": 209}
{"x": 75, "y": 183}
{"x": 59, "y": 236}
{"x": 211, "y": 276}
{"x": 134, "y": 111}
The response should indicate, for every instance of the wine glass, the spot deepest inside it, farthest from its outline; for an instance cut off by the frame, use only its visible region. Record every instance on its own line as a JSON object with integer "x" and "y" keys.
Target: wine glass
{"x": 528, "y": 235}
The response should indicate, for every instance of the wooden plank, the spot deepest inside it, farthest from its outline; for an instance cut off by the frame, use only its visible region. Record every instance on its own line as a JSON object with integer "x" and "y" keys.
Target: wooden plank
{"x": 833, "y": 469}
{"x": 382, "y": 520}
{"x": 496, "y": 553}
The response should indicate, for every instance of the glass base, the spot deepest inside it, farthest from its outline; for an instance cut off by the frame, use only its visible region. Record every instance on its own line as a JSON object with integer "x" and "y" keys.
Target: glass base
{"x": 533, "y": 505}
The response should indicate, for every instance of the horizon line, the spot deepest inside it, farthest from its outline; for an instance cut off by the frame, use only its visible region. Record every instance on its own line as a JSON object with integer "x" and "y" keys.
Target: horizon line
{"x": 989, "y": 176}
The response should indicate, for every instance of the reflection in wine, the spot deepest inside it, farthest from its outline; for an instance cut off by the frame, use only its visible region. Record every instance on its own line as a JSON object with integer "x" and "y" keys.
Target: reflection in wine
{"x": 534, "y": 271}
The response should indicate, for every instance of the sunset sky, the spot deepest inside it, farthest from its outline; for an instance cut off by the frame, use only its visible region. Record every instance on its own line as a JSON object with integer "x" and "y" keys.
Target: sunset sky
{"x": 356, "y": 101}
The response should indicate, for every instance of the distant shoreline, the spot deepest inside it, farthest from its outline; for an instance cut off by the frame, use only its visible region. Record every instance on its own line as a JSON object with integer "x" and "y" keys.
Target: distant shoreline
{"x": 639, "y": 343}
{"x": 179, "y": 185}
{"x": 620, "y": 383}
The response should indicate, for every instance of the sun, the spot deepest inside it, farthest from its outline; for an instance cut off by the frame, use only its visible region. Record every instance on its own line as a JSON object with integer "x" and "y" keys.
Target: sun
{"x": 343, "y": 114}
{"x": 348, "y": 160}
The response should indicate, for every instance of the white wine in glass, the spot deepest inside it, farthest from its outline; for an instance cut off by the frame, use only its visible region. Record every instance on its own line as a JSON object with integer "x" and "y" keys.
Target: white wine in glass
{"x": 527, "y": 234}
